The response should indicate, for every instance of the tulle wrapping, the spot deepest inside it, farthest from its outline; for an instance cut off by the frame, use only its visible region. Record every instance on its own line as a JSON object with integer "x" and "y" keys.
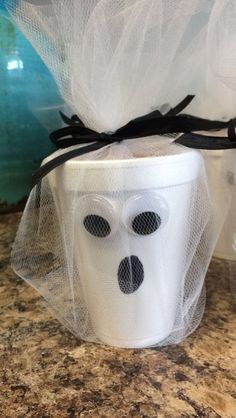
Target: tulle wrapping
{"x": 223, "y": 163}
{"x": 115, "y": 61}
{"x": 220, "y": 102}
{"x": 118, "y": 241}
{"x": 81, "y": 267}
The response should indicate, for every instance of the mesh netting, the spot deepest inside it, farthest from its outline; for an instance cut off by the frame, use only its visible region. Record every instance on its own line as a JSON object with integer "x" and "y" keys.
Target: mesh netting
{"x": 120, "y": 247}
{"x": 118, "y": 241}
{"x": 116, "y": 60}
{"x": 224, "y": 162}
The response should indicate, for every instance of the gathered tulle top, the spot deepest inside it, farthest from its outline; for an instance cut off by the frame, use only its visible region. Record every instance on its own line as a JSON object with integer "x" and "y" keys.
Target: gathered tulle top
{"x": 116, "y": 60}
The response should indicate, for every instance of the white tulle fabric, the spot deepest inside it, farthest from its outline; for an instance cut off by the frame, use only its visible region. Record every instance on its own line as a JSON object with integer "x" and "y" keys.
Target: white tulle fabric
{"x": 116, "y": 60}
{"x": 219, "y": 101}
{"x": 118, "y": 241}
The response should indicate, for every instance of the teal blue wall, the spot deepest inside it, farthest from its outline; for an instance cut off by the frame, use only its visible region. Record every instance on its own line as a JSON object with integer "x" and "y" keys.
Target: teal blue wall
{"x": 29, "y": 103}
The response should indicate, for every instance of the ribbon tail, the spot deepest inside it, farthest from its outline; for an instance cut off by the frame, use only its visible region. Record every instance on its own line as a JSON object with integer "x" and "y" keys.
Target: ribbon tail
{"x": 75, "y": 120}
{"x": 205, "y": 142}
{"x": 181, "y": 106}
{"x": 72, "y": 135}
{"x": 166, "y": 125}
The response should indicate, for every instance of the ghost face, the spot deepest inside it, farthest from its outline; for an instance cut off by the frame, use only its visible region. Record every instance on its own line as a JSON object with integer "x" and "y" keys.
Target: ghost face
{"x": 129, "y": 254}
{"x": 126, "y": 228}
{"x": 124, "y": 225}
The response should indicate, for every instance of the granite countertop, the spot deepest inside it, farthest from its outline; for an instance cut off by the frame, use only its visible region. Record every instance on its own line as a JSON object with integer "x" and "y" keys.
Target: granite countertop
{"x": 45, "y": 372}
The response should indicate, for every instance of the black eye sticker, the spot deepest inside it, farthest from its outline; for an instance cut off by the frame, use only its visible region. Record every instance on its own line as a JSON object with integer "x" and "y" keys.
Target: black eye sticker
{"x": 97, "y": 226}
{"x": 146, "y": 223}
{"x": 145, "y": 213}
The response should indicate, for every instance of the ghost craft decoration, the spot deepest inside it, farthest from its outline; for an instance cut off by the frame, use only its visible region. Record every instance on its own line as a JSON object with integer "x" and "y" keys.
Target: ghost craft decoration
{"x": 128, "y": 224}
{"x": 118, "y": 241}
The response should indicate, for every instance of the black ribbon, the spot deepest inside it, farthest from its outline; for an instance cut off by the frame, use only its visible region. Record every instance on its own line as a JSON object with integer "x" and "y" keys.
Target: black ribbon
{"x": 154, "y": 123}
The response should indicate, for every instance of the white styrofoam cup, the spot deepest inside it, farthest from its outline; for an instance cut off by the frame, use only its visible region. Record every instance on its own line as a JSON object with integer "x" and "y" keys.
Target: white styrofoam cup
{"x": 131, "y": 282}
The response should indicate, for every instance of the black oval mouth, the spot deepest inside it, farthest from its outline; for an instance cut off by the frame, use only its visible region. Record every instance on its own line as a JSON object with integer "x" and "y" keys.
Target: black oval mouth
{"x": 130, "y": 274}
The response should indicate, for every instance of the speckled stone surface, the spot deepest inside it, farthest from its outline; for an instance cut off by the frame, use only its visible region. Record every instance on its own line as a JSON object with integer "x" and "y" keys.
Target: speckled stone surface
{"x": 45, "y": 372}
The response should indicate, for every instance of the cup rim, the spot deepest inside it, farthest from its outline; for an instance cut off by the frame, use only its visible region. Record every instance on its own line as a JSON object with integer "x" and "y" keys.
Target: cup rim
{"x": 127, "y": 174}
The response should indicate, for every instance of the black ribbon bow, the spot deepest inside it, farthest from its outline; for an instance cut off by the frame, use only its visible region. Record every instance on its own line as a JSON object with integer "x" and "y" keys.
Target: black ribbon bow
{"x": 154, "y": 123}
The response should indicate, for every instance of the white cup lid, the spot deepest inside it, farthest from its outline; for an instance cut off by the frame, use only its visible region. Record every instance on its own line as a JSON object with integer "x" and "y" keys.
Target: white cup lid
{"x": 177, "y": 166}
